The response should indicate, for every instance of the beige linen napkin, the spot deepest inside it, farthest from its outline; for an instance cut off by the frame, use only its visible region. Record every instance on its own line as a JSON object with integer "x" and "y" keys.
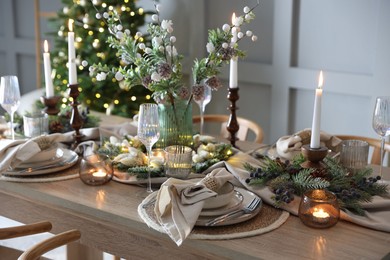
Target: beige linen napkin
{"x": 289, "y": 146}
{"x": 118, "y": 131}
{"x": 179, "y": 202}
{"x": 377, "y": 212}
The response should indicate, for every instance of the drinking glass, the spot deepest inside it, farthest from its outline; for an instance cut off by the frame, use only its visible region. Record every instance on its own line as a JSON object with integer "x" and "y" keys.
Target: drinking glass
{"x": 148, "y": 132}
{"x": 381, "y": 122}
{"x": 202, "y": 99}
{"x": 10, "y": 97}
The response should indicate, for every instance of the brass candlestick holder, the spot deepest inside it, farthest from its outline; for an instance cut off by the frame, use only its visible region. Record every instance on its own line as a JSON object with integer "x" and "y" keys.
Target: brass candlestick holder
{"x": 232, "y": 125}
{"x": 75, "y": 121}
{"x": 51, "y": 103}
{"x": 314, "y": 156}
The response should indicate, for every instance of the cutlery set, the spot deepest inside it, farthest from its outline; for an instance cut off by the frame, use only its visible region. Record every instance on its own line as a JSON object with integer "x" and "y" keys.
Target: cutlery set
{"x": 248, "y": 209}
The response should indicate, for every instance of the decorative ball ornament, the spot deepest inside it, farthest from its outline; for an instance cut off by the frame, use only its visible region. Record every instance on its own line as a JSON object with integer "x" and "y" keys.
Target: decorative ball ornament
{"x": 96, "y": 2}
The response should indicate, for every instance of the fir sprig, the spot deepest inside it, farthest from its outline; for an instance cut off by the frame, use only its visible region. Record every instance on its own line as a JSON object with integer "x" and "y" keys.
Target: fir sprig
{"x": 288, "y": 178}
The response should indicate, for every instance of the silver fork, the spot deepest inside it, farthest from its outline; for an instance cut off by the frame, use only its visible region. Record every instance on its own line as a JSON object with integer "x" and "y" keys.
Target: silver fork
{"x": 236, "y": 213}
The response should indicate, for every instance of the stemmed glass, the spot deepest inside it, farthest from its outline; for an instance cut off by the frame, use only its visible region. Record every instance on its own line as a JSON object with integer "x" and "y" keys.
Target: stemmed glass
{"x": 381, "y": 122}
{"x": 202, "y": 98}
{"x": 148, "y": 132}
{"x": 10, "y": 97}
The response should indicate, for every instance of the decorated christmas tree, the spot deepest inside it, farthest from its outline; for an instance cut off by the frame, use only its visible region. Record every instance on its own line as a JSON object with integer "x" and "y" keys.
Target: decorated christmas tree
{"x": 91, "y": 48}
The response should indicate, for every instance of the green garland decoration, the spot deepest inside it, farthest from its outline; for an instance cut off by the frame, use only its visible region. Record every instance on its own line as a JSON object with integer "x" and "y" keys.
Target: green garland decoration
{"x": 288, "y": 178}
{"x": 221, "y": 153}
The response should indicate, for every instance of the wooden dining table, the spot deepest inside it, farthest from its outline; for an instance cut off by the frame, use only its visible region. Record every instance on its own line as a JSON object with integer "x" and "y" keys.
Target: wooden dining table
{"x": 108, "y": 220}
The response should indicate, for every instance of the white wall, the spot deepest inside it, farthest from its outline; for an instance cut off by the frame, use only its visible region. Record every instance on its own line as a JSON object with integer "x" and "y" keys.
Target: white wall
{"x": 349, "y": 40}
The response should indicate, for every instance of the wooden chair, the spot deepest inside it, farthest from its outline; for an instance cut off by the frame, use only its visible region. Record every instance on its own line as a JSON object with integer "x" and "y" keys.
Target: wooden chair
{"x": 36, "y": 251}
{"x": 246, "y": 126}
{"x": 375, "y": 146}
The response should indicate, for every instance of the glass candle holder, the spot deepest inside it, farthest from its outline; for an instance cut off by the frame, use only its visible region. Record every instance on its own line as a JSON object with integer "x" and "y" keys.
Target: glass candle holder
{"x": 319, "y": 209}
{"x": 96, "y": 169}
{"x": 178, "y": 161}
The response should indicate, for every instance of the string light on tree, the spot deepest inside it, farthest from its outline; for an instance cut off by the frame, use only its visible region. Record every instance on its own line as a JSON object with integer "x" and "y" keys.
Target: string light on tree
{"x": 92, "y": 47}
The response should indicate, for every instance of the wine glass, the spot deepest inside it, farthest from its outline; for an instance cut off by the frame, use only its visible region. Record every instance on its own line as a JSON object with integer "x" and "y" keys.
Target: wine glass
{"x": 381, "y": 122}
{"x": 148, "y": 132}
{"x": 202, "y": 96}
{"x": 10, "y": 97}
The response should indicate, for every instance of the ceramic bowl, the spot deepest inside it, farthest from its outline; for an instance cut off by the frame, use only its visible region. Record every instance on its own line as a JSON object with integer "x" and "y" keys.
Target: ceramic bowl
{"x": 225, "y": 195}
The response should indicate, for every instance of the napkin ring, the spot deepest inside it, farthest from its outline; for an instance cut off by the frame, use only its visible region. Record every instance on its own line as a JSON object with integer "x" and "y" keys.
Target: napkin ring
{"x": 210, "y": 183}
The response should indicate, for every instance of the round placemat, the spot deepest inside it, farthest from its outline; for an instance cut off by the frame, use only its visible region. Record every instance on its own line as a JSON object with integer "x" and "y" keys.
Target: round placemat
{"x": 268, "y": 219}
{"x": 70, "y": 173}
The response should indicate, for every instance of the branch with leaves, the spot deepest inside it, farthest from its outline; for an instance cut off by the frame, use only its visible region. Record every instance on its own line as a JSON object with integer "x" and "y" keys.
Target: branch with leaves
{"x": 287, "y": 179}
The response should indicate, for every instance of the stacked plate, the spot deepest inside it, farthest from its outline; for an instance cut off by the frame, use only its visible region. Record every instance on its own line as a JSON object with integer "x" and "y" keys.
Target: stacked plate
{"x": 47, "y": 161}
{"x": 238, "y": 201}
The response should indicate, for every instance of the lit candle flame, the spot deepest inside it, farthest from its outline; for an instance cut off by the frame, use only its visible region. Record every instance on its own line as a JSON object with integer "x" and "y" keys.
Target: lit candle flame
{"x": 320, "y": 213}
{"x": 45, "y": 46}
{"x": 233, "y": 18}
{"x": 320, "y": 80}
{"x": 70, "y": 25}
{"x": 99, "y": 173}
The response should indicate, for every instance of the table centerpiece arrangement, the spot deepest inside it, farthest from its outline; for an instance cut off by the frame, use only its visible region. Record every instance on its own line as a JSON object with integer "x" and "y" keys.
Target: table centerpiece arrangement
{"x": 129, "y": 158}
{"x": 158, "y": 68}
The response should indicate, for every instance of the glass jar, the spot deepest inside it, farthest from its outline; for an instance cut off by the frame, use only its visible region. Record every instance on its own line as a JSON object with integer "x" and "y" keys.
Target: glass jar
{"x": 96, "y": 169}
{"x": 319, "y": 209}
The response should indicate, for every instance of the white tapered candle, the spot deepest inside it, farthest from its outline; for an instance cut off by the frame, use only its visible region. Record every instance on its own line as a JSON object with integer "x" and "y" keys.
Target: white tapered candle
{"x": 316, "y": 125}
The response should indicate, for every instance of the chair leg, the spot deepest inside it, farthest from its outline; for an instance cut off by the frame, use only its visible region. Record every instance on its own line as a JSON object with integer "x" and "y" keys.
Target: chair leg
{"x": 76, "y": 250}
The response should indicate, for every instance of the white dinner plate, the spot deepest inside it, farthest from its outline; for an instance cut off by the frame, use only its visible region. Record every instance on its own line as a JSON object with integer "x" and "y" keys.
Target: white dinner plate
{"x": 68, "y": 159}
{"x": 248, "y": 196}
{"x": 234, "y": 204}
{"x": 56, "y": 158}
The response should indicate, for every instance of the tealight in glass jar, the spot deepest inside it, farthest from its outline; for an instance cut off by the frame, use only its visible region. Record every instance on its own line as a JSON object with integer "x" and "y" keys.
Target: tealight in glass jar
{"x": 319, "y": 209}
{"x": 96, "y": 169}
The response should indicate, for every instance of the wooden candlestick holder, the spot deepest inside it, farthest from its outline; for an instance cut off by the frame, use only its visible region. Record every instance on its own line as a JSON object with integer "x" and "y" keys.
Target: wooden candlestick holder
{"x": 51, "y": 103}
{"x": 232, "y": 125}
{"x": 314, "y": 156}
{"x": 75, "y": 121}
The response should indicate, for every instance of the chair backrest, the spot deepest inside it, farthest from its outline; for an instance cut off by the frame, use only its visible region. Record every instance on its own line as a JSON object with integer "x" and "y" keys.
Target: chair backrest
{"x": 375, "y": 145}
{"x": 49, "y": 244}
{"x": 246, "y": 126}
{"x": 42, "y": 247}
{"x": 25, "y": 230}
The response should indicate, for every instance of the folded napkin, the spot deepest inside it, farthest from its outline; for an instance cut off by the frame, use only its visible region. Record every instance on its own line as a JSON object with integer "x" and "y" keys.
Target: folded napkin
{"x": 179, "y": 202}
{"x": 128, "y": 128}
{"x": 377, "y": 212}
{"x": 289, "y": 146}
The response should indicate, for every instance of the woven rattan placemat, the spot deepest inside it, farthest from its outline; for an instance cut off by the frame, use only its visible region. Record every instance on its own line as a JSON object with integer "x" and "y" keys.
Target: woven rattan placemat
{"x": 70, "y": 173}
{"x": 268, "y": 219}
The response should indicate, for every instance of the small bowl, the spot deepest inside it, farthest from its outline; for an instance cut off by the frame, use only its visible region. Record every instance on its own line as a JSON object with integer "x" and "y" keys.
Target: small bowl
{"x": 225, "y": 195}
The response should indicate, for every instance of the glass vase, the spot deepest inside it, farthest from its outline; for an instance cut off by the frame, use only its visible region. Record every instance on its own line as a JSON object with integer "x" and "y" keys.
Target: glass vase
{"x": 175, "y": 123}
